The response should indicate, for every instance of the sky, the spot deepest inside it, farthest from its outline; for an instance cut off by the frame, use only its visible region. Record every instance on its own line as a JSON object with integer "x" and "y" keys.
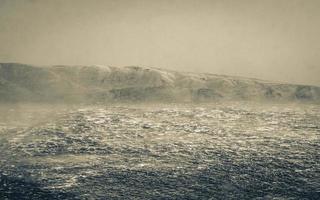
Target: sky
{"x": 267, "y": 39}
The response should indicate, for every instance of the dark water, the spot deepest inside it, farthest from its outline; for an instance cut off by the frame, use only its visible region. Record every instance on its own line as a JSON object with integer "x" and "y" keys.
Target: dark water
{"x": 216, "y": 151}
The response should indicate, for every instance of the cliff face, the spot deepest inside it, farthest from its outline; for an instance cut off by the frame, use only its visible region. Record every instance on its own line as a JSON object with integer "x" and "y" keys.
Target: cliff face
{"x": 20, "y": 82}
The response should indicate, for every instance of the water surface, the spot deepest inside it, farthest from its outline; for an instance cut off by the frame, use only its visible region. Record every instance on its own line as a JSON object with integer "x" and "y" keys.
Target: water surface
{"x": 162, "y": 151}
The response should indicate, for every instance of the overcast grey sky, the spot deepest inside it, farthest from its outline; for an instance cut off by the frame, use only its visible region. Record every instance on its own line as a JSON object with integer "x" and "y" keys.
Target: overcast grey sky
{"x": 268, "y": 39}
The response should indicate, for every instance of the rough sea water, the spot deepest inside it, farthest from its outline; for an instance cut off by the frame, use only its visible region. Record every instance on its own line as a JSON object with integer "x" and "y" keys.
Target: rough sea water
{"x": 173, "y": 151}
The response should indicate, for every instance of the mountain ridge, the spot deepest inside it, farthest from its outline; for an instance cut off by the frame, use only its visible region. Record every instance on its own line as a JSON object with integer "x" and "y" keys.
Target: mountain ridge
{"x": 96, "y": 83}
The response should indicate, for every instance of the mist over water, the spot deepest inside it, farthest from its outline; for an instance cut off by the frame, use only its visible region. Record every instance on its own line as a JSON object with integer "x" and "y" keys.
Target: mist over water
{"x": 170, "y": 99}
{"x": 220, "y": 150}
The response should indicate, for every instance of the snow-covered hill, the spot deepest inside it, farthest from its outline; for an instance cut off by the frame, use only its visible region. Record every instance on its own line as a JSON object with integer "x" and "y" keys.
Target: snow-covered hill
{"x": 20, "y": 82}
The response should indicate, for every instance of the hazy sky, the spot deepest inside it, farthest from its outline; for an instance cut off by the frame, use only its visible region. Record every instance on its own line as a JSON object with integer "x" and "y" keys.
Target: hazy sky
{"x": 268, "y": 39}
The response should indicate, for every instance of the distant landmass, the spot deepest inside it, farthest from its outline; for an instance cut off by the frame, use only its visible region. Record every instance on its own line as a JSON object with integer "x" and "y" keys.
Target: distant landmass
{"x": 60, "y": 83}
